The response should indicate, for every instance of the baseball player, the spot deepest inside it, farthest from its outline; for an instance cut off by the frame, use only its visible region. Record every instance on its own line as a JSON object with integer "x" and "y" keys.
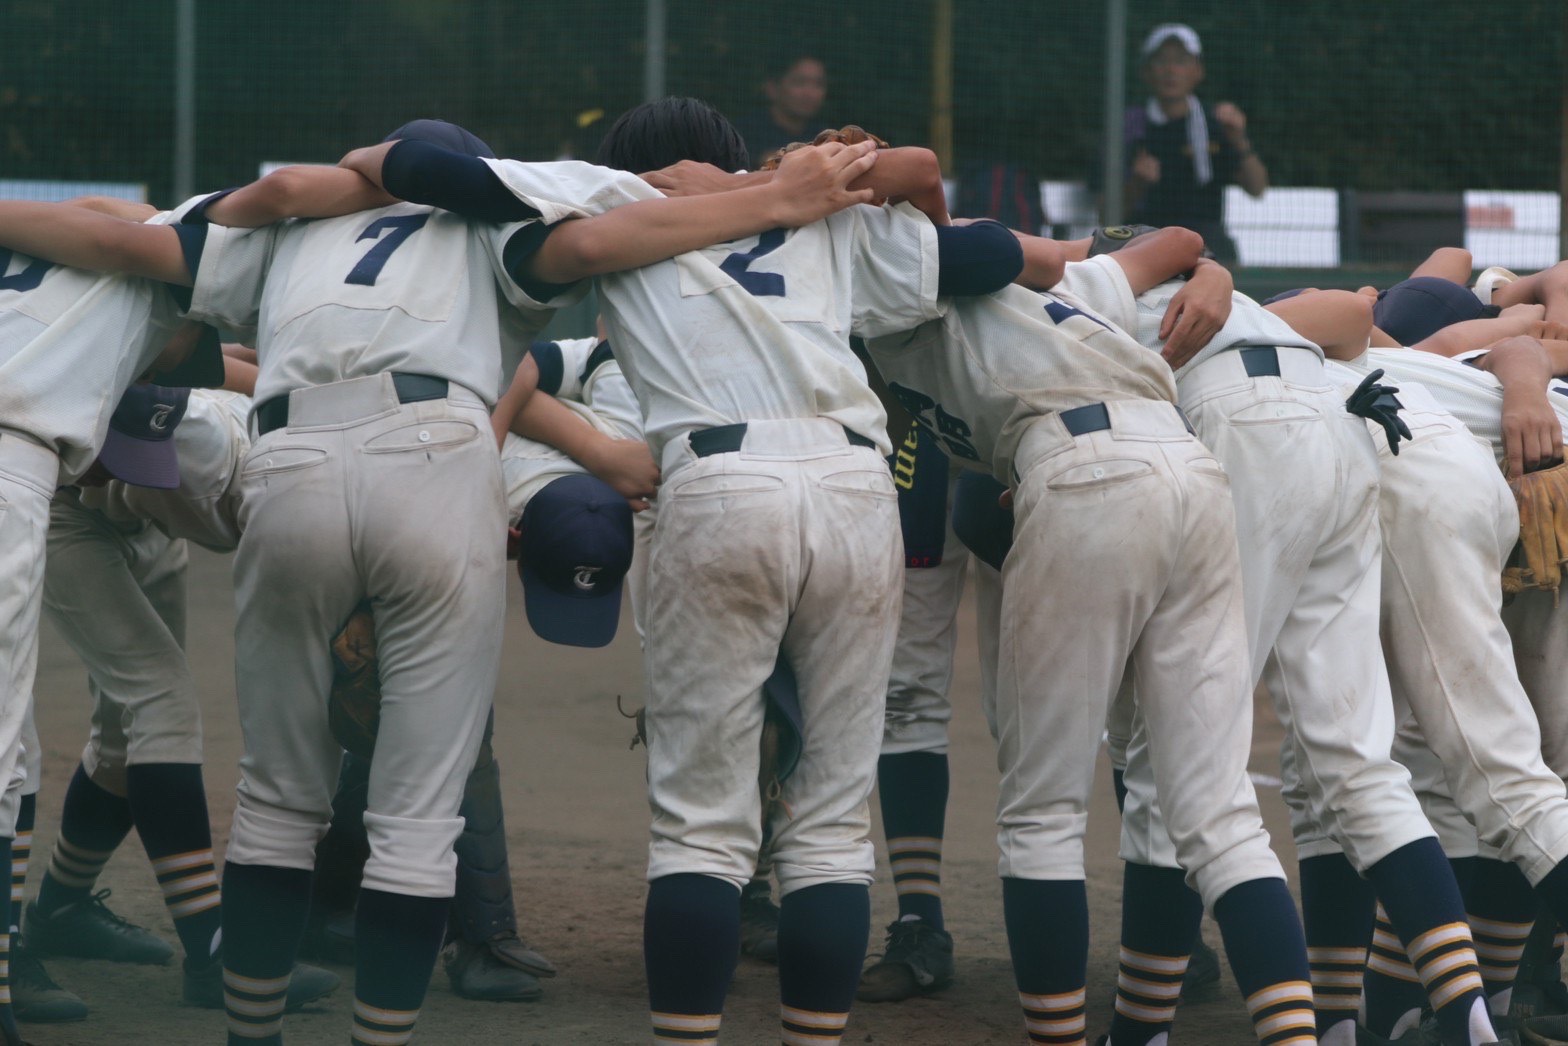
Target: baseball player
{"x": 1081, "y": 421}
{"x": 774, "y": 505}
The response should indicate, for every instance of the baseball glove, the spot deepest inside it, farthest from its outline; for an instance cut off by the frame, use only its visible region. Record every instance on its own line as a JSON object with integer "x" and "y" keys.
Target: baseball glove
{"x": 1543, "y": 530}
{"x": 354, "y": 706}
{"x": 849, "y": 134}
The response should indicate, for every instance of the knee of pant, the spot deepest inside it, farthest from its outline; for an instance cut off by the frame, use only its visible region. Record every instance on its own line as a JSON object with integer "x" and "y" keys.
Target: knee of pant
{"x": 175, "y": 740}
{"x": 105, "y": 771}
{"x": 412, "y": 856}
{"x": 796, "y": 869}
{"x": 279, "y": 838}
{"x": 1049, "y": 849}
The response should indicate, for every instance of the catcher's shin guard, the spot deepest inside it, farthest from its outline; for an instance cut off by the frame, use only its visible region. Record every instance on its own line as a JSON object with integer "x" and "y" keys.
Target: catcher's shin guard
{"x": 483, "y": 906}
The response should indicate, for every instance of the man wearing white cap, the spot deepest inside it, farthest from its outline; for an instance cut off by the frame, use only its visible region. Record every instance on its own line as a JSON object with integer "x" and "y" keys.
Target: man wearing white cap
{"x": 1181, "y": 153}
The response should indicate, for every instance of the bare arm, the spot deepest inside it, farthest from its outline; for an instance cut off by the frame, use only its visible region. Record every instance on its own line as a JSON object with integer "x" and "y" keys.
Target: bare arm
{"x": 1532, "y": 431}
{"x": 1044, "y": 261}
{"x": 297, "y": 192}
{"x": 1548, "y": 288}
{"x": 1478, "y": 334}
{"x": 1197, "y": 312}
{"x": 114, "y": 207}
{"x": 238, "y": 375}
{"x": 524, "y": 383}
{"x": 626, "y": 465}
{"x": 1339, "y": 321}
{"x": 1151, "y": 259}
{"x": 85, "y": 239}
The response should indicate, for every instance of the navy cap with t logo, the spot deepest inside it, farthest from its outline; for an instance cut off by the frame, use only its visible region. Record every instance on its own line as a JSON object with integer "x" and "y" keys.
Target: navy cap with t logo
{"x": 139, "y": 448}
{"x": 575, "y": 550}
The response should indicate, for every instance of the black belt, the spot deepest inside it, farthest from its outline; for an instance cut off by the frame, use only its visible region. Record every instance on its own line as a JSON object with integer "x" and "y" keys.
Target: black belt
{"x": 1095, "y": 418}
{"x": 411, "y": 388}
{"x": 726, "y": 439}
{"x": 1261, "y": 362}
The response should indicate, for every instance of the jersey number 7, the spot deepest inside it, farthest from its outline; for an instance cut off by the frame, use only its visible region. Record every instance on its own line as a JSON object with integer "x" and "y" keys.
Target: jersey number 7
{"x": 401, "y": 227}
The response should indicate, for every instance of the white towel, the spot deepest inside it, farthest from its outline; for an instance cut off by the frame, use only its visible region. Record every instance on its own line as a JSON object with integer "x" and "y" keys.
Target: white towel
{"x": 1197, "y": 136}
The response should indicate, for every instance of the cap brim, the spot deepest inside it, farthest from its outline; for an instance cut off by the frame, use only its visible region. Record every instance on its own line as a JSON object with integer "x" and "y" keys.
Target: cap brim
{"x": 139, "y": 462}
{"x": 569, "y": 620}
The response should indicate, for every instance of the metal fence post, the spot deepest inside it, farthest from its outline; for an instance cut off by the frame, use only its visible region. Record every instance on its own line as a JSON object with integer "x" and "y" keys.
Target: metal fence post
{"x": 1111, "y": 147}
{"x": 184, "y": 100}
{"x": 656, "y": 52}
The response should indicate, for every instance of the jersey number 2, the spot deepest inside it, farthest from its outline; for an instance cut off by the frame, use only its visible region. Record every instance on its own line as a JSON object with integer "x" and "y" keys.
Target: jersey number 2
{"x": 759, "y": 284}
{"x": 401, "y": 227}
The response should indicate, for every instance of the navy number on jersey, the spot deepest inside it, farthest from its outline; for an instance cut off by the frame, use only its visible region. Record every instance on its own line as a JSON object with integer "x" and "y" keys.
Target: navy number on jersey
{"x": 398, "y": 228}
{"x": 759, "y": 284}
{"x": 953, "y": 433}
{"x": 1060, "y": 312}
{"x": 25, "y": 280}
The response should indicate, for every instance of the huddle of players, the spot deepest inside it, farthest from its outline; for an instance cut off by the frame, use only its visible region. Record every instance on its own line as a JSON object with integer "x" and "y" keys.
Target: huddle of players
{"x": 777, "y": 537}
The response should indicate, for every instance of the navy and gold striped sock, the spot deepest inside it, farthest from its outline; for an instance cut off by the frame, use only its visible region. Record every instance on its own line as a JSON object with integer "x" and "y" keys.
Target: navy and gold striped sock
{"x": 822, "y": 944}
{"x": 397, "y": 938}
{"x": 262, "y": 925}
{"x": 1048, "y": 936}
{"x": 1160, "y": 919}
{"x": 691, "y": 937}
{"x": 21, "y": 853}
{"x": 1336, "y": 906}
{"x": 169, "y": 807}
{"x": 1268, "y": 955}
{"x": 92, "y": 825}
{"x": 1394, "y": 995}
{"x": 1418, "y": 891}
{"x": 1501, "y": 909}
{"x": 912, "y": 787}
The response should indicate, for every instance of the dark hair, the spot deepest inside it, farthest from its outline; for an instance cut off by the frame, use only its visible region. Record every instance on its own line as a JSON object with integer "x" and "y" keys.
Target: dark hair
{"x": 659, "y": 133}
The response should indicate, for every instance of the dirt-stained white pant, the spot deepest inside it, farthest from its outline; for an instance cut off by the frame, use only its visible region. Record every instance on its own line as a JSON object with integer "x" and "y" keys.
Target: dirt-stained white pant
{"x": 117, "y": 596}
{"x": 789, "y": 544}
{"x": 28, "y": 474}
{"x": 1124, "y": 553}
{"x": 362, "y": 496}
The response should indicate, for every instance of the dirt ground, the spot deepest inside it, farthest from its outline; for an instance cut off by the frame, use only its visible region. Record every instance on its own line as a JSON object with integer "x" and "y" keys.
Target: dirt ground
{"x": 577, "y": 824}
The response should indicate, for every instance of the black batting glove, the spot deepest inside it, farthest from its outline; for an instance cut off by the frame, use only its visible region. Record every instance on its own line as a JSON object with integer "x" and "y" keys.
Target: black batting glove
{"x": 1378, "y": 403}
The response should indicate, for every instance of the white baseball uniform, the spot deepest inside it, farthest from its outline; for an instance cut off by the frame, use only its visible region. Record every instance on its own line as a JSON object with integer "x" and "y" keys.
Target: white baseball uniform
{"x": 1308, "y": 534}
{"x": 1123, "y": 552}
{"x": 777, "y": 524}
{"x": 358, "y": 493}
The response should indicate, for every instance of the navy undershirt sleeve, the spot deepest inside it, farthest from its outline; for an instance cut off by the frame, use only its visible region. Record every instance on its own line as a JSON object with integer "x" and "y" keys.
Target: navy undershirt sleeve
{"x": 977, "y": 259}
{"x": 552, "y": 368}
{"x": 423, "y": 173}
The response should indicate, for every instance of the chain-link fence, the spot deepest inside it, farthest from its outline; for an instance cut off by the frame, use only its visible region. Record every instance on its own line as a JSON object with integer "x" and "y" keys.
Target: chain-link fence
{"x": 1382, "y": 130}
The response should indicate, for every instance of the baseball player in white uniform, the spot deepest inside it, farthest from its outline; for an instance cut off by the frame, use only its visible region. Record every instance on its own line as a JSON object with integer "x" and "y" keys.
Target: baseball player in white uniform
{"x": 774, "y": 505}
{"x": 1257, "y": 394}
{"x": 1123, "y": 555}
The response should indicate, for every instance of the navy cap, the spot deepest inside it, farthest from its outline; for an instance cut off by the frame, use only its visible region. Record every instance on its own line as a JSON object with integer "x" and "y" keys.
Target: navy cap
{"x": 1415, "y": 309}
{"x": 139, "y": 448}
{"x": 446, "y": 135}
{"x": 575, "y": 551}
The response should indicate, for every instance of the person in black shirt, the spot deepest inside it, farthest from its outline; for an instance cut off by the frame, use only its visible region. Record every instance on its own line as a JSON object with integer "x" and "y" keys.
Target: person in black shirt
{"x": 795, "y": 89}
{"x": 1182, "y": 152}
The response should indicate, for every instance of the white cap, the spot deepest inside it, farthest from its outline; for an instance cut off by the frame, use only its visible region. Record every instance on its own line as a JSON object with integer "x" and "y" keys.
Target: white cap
{"x": 1172, "y": 31}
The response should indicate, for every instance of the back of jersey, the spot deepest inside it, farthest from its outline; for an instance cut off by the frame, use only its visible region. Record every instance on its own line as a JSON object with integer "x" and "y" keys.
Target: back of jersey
{"x": 70, "y": 343}
{"x": 756, "y": 328}
{"x": 402, "y": 288}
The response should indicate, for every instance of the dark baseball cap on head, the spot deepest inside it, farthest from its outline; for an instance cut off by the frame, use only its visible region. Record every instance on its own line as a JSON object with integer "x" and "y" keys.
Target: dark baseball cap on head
{"x": 139, "y": 448}
{"x": 1415, "y": 309}
{"x": 574, "y": 554}
{"x": 446, "y": 135}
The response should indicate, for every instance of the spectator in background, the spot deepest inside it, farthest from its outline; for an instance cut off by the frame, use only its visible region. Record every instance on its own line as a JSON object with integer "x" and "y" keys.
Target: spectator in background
{"x": 1181, "y": 153}
{"x": 795, "y": 89}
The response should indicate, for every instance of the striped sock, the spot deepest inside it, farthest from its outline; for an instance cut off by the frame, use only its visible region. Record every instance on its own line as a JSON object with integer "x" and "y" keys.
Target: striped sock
{"x": 811, "y": 1027}
{"x": 93, "y": 823}
{"x": 21, "y": 853}
{"x": 1394, "y": 995}
{"x": 687, "y": 1029}
{"x": 169, "y": 806}
{"x": 822, "y": 944}
{"x": 1160, "y": 919}
{"x": 1336, "y": 906}
{"x": 1419, "y": 893}
{"x": 1268, "y": 955}
{"x": 912, "y": 787}
{"x": 1048, "y": 936}
{"x": 255, "y": 1007}
{"x": 398, "y": 937}
{"x": 1501, "y": 909}
{"x": 691, "y": 937}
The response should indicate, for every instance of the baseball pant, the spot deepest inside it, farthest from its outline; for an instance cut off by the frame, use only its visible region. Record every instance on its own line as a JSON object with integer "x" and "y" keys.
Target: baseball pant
{"x": 1124, "y": 553}
{"x": 1540, "y": 637}
{"x": 118, "y": 598}
{"x": 789, "y": 544}
{"x": 360, "y": 496}
{"x": 28, "y": 474}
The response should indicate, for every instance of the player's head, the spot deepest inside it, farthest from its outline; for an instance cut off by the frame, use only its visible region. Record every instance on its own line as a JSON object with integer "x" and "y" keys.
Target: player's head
{"x": 659, "y": 133}
{"x": 575, "y": 550}
{"x": 1415, "y": 309}
{"x": 446, "y": 135}
{"x": 1172, "y": 61}
{"x": 797, "y": 87}
{"x": 139, "y": 447}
